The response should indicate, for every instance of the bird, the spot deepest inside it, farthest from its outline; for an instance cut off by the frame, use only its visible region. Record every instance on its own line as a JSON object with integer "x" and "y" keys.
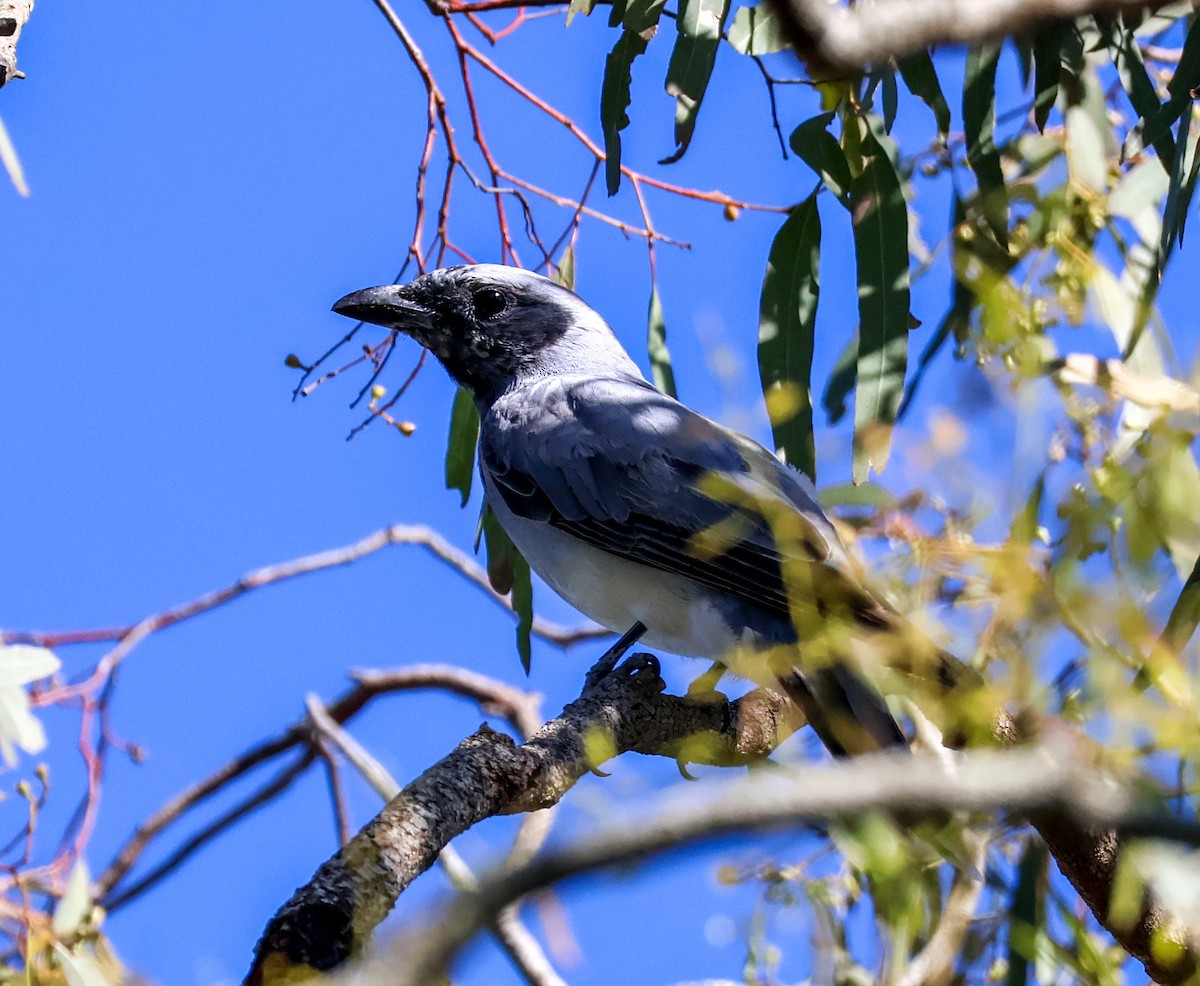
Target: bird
{"x": 634, "y": 507}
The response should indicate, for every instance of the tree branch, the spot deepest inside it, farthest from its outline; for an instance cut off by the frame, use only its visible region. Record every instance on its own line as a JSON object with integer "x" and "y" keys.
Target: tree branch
{"x": 14, "y": 14}
{"x": 517, "y": 707}
{"x": 1028, "y": 781}
{"x": 328, "y": 920}
{"x": 1074, "y": 805}
{"x": 844, "y": 39}
{"x": 508, "y": 928}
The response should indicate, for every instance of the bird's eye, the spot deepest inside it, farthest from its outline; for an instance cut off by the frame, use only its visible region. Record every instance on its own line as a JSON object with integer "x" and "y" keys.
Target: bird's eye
{"x": 489, "y": 303}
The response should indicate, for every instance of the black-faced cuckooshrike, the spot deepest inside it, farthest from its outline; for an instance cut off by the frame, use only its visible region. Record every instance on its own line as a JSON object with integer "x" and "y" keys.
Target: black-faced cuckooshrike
{"x": 634, "y": 507}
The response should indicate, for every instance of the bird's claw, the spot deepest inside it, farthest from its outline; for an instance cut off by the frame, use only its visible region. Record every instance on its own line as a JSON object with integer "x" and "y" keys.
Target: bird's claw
{"x": 645, "y": 669}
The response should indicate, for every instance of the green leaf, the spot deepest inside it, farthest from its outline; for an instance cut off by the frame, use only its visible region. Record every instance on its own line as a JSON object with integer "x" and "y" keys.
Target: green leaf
{"x": 1025, "y": 525}
{"x": 1087, "y": 157}
{"x": 957, "y": 320}
{"x": 888, "y": 99}
{"x": 1179, "y": 98}
{"x": 1047, "y": 70}
{"x": 656, "y": 346}
{"x": 700, "y": 24}
{"x": 614, "y": 102}
{"x": 1185, "y": 614}
{"x": 920, "y": 77}
{"x": 1026, "y": 912}
{"x": 460, "y": 448}
{"x": 508, "y": 572}
{"x": 881, "y": 254}
{"x": 564, "y": 270}
{"x": 849, "y": 495}
{"x": 818, "y": 148}
{"x": 1138, "y": 86}
{"x": 757, "y": 31}
{"x": 841, "y": 382}
{"x": 641, "y": 16}
{"x": 979, "y": 119}
{"x": 786, "y": 326}
{"x": 1179, "y": 191}
{"x": 584, "y": 7}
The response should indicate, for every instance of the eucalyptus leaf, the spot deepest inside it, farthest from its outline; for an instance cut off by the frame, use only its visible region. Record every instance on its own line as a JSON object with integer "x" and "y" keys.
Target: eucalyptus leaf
{"x": 700, "y": 24}
{"x": 656, "y": 346}
{"x": 584, "y": 7}
{"x": 979, "y": 121}
{"x": 1047, "y": 70}
{"x": 881, "y": 256}
{"x": 841, "y": 382}
{"x": 614, "y": 102}
{"x": 508, "y": 572}
{"x": 460, "y": 447}
{"x": 564, "y": 270}
{"x": 757, "y": 31}
{"x": 1138, "y": 86}
{"x": 1179, "y": 98}
{"x": 786, "y": 327}
{"x": 818, "y": 148}
{"x": 920, "y": 77}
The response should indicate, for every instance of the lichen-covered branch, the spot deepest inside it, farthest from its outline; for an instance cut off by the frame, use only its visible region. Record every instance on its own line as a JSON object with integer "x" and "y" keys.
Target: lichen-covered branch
{"x": 13, "y": 16}
{"x": 330, "y": 918}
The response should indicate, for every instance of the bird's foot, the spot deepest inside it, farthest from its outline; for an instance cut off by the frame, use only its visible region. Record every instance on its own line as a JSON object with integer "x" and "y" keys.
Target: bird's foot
{"x": 641, "y": 671}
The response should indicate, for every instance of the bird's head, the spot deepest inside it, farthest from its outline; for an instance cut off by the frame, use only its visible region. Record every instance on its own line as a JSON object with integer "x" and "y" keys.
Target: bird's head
{"x": 491, "y": 325}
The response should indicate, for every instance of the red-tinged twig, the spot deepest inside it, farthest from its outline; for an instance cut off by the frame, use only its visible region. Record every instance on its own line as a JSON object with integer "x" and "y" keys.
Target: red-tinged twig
{"x": 716, "y": 197}
{"x": 507, "y": 249}
{"x": 482, "y": 6}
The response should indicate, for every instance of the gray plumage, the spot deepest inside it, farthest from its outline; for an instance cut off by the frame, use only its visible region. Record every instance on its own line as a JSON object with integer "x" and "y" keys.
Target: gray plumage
{"x": 632, "y": 506}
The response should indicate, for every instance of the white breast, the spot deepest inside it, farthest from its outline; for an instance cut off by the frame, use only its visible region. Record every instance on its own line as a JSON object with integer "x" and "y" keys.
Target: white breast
{"x": 616, "y": 593}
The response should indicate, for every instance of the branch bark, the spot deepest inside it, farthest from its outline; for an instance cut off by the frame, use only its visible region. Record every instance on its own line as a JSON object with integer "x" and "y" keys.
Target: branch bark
{"x": 1072, "y": 803}
{"x": 1028, "y": 781}
{"x": 329, "y": 919}
{"x": 14, "y": 14}
{"x": 843, "y": 39}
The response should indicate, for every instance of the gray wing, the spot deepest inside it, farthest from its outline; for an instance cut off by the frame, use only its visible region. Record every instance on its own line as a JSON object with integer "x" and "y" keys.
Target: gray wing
{"x": 620, "y": 465}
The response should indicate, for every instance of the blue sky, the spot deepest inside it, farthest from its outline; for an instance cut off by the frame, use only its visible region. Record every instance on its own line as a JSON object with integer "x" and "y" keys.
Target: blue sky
{"x": 206, "y": 181}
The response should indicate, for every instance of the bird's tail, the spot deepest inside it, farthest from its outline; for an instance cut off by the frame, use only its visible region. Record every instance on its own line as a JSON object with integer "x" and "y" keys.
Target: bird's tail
{"x": 847, "y": 715}
{"x": 850, "y": 717}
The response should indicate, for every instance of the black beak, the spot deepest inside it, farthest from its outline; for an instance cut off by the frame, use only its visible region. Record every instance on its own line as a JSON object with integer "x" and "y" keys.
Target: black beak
{"x": 387, "y": 306}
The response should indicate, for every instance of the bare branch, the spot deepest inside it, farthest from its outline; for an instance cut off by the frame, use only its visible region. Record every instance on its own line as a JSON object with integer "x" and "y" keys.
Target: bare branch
{"x": 934, "y": 964}
{"x": 329, "y": 919}
{"x": 129, "y": 637}
{"x": 14, "y": 14}
{"x": 848, "y": 39}
{"x": 1034, "y": 781}
{"x": 515, "y": 706}
{"x": 524, "y": 950}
